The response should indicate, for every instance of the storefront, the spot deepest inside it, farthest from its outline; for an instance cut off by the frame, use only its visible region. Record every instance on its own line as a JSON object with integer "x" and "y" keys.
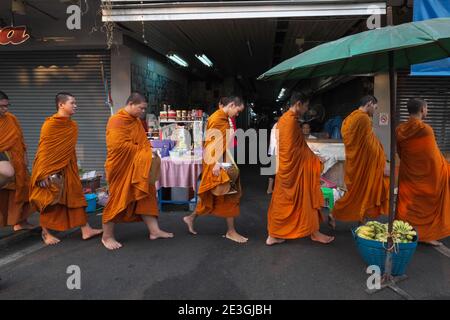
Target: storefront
{"x": 44, "y": 57}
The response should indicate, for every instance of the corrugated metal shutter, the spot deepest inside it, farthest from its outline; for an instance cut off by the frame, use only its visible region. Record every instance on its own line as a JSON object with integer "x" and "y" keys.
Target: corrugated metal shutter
{"x": 436, "y": 91}
{"x": 32, "y": 79}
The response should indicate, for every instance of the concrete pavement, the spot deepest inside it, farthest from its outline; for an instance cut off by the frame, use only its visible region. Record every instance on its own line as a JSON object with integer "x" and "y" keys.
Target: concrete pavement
{"x": 208, "y": 266}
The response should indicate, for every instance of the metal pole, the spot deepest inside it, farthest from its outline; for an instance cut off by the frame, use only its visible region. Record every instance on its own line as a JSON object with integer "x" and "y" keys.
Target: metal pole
{"x": 392, "y": 95}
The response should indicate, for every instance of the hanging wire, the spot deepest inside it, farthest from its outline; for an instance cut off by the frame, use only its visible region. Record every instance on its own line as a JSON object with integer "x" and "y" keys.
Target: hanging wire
{"x": 108, "y": 26}
{"x": 86, "y": 5}
{"x": 143, "y": 28}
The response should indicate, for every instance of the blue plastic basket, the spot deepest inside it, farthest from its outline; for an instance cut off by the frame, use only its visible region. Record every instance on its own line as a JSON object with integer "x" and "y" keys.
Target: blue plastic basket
{"x": 374, "y": 253}
{"x": 91, "y": 199}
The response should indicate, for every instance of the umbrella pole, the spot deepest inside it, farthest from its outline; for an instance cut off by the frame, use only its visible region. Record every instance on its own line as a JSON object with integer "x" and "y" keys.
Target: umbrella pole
{"x": 392, "y": 94}
{"x": 388, "y": 281}
{"x": 387, "y": 277}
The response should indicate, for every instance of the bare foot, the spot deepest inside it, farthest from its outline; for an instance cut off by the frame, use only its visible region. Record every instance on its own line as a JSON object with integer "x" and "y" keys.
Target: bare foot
{"x": 49, "y": 239}
{"x": 433, "y": 243}
{"x": 89, "y": 233}
{"x": 190, "y": 223}
{"x": 111, "y": 244}
{"x": 271, "y": 241}
{"x": 233, "y": 235}
{"x": 161, "y": 235}
{"x": 320, "y": 237}
{"x": 23, "y": 226}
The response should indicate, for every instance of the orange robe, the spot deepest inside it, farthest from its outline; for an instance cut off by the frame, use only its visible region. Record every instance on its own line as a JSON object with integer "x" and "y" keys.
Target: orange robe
{"x": 294, "y": 210}
{"x": 367, "y": 193}
{"x": 424, "y": 181}
{"x": 127, "y": 168}
{"x": 14, "y": 202}
{"x": 56, "y": 153}
{"x": 226, "y": 206}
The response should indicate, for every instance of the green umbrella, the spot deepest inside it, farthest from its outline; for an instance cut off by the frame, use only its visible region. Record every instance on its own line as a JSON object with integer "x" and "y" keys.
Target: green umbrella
{"x": 384, "y": 49}
{"x": 367, "y": 52}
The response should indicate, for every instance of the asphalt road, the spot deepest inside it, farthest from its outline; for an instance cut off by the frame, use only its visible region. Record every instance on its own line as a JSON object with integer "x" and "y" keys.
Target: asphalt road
{"x": 208, "y": 266}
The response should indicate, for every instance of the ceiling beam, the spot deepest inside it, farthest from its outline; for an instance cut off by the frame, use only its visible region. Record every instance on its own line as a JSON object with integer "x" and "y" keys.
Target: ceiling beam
{"x": 132, "y": 11}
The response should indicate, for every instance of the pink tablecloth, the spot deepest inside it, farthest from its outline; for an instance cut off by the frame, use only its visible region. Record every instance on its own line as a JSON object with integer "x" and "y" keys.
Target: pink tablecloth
{"x": 179, "y": 173}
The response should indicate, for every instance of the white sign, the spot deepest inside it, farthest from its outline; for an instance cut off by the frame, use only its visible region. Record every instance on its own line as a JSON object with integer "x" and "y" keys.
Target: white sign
{"x": 384, "y": 119}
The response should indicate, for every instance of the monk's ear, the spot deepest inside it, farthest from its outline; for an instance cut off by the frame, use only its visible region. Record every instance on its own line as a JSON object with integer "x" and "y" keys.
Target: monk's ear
{"x": 423, "y": 108}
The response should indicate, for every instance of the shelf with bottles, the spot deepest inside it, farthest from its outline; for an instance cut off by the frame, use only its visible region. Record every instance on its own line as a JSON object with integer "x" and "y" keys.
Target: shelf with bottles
{"x": 170, "y": 115}
{"x": 179, "y": 121}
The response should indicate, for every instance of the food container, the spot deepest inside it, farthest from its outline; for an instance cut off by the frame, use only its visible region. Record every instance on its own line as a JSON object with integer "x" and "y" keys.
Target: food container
{"x": 374, "y": 253}
{"x": 193, "y": 114}
{"x": 199, "y": 114}
{"x": 184, "y": 115}
{"x": 172, "y": 115}
{"x": 91, "y": 199}
{"x": 163, "y": 115}
{"x": 178, "y": 115}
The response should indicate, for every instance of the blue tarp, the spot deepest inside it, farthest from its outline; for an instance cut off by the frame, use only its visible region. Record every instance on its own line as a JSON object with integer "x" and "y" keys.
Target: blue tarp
{"x": 430, "y": 9}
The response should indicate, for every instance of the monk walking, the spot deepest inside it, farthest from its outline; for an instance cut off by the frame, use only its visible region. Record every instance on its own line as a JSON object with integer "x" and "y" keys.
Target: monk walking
{"x": 424, "y": 177}
{"x": 366, "y": 176}
{"x": 131, "y": 197}
{"x": 14, "y": 194}
{"x": 214, "y": 176}
{"x": 56, "y": 189}
{"x": 294, "y": 210}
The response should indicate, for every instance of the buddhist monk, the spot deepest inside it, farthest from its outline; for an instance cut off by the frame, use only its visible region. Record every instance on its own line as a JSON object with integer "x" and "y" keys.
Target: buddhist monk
{"x": 424, "y": 177}
{"x": 14, "y": 194}
{"x": 61, "y": 205}
{"x": 294, "y": 210}
{"x": 366, "y": 175}
{"x": 220, "y": 105}
{"x": 214, "y": 175}
{"x": 129, "y": 158}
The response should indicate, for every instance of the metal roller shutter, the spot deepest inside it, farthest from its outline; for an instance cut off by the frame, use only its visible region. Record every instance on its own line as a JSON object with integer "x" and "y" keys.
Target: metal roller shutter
{"x": 32, "y": 79}
{"x": 436, "y": 91}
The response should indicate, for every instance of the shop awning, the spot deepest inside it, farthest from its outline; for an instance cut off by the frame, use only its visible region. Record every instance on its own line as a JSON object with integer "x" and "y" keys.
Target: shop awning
{"x": 150, "y": 10}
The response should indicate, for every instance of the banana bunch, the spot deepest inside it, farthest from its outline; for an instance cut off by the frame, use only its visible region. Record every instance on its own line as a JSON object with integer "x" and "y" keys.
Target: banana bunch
{"x": 366, "y": 232}
{"x": 403, "y": 232}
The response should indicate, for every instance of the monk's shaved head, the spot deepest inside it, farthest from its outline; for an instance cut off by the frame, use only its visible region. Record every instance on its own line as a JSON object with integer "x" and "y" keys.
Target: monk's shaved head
{"x": 415, "y": 105}
{"x": 368, "y": 104}
{"x": 136, "y": 105}
{"x": 237, "y": 100}
{"x": 136, "y": 98}
{"x": 62, "y": 97}
{"x": 298, "y": 97}
{"x": 3, "y": 96}
{"x": 367, "y": 99}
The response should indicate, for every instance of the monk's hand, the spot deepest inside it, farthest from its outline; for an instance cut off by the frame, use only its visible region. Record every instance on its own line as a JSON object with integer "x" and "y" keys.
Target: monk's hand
{"x": 216, "y": 170}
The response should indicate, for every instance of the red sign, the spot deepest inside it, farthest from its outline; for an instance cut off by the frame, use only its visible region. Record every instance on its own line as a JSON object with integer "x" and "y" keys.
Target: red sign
{"x": 13, "y": 35}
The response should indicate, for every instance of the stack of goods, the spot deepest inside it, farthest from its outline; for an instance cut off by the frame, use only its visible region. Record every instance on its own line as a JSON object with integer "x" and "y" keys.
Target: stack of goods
{"x": 180, "y": 115}
{"x": 163, "y": 147}
{"x": 171, "y": 115}
{"x": 163, "y": 116}
{"x": 403, "y": 232}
